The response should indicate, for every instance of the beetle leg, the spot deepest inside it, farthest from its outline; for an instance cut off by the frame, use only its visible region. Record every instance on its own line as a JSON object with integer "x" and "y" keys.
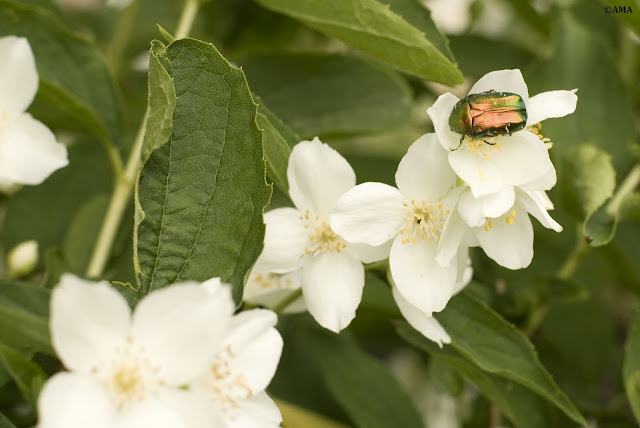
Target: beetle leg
{"x": 491, "y": 144}
{"x": 461, "y": 140}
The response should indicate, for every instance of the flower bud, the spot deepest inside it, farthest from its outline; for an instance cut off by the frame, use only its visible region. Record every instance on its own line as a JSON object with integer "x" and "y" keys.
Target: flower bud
{"x": 22, "y": 259}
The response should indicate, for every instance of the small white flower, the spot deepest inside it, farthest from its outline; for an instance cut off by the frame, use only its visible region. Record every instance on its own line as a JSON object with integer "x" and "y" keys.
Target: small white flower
{"x": 22, "y": 259}
{"x": 412, "y": 216}
{"x": 505, "y": 234}
{"x": 268, "y": 289}
{"x": 301, "y": 238}
{"x": 515, "y": 160}
{"x": 241, "y": 370}
{"x": 29, "y": 152}
{"x": 127, "y": 371}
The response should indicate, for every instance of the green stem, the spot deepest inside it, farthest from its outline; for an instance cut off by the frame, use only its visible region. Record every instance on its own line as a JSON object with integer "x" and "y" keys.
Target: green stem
{"x": 628, "y": 53}
{"x": 627, "y": 186}
{"x": 124, "y": 183}
{"x": 572, "y": 262}
{"x": 288, "y": 300}
{"x": 124, "y": 27}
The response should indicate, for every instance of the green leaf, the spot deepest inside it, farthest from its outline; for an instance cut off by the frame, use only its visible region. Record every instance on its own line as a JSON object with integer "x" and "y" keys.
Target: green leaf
{"x": 26, "y": 374}
{"x": 602, "y": 96}
{"x": 276, "y": 139}
{"x": 523, "y": 407}
{"x": 599, "y": 227}
{"x": 362, "y": 386}
{"x": 73, "y": 76}
{"x": 294, "y": 416}
{"x": 161, "y": 104}
{"x": 5, "y": 423}
{"x": 376, "y": 30}
{"x": 629, "y": 209}
{"x": 45, "y": 212}
{"x": 631, "y": 366}
{"x": 495, "y": 346}
{"x": 325, "y": 94}
{"x": 24, "y": 307}
{"x": 200, "y": 197}
{"x": 128, "y": 291}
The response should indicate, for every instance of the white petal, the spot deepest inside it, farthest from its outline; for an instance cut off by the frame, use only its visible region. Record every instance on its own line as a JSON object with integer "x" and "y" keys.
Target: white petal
{"x": 425, "y": 324}
{"x": 182, "y": 327}
{"x": 474, "y": 210}
{"x": 465, "y": 270}
{"x": 535, "y": 205}
{"x": 546, "y": 202}
{"x": 256, "y": 347}
{"x": 269, "y": 289}
{"x": 503, "y": 81}
{"x": 370, "y": 213}
{"x": 70, "y": 400}
{"x": 510, "y": 245}
{"x": 18, "y": 74}
{"x": 29, "y": 152}
{"x": 420, "y": 279}
{"x": 258, "y": 412}
{"x": 194, "y": 409}
{"x": 152, "y": 412}
{"x": 332, "y": 286}
{"x": 439, "y": 113}
{"x": 545, "y": 182}
{"x": 453, "y": 232}
{"x": 88, "y": 321}
{"x": 424, "y": 172}
{"x": 318, "y": 176}
{"x": 369, "y": 253}
{"x": 551, "y": 104}
{"x": 284, "y": 242}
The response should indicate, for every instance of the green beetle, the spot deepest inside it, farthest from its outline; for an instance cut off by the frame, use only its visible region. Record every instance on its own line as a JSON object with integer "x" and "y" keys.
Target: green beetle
{"x": 488, "y": 114}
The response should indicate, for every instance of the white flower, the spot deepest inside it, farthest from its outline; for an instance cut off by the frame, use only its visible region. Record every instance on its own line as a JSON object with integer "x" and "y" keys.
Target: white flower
{"x": 268, "y": 289}
{"x": 499, "y": 223}
{"x": 413, "y": 216}
{"x": 241, "y": 370}
{"x": 301, "y": 238}
{"x": 22, "y": 259}
{"x": 127, "y": 371}
{"x": 29, "y": 152}
{"x": 515, "y": 160}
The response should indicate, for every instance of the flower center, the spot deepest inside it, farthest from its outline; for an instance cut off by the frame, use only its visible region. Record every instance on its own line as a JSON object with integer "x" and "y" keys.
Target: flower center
{"x": 321, "y": 237}
{"x": 226, "y": 388}
{"x": 535, "y": 129}
{"x": 424, "y": 221}
{"x": 509, "y": 217}
{"x": 129, "y": 376}
{"x": 273, "y": 281}
{"x": 484, "y": 146}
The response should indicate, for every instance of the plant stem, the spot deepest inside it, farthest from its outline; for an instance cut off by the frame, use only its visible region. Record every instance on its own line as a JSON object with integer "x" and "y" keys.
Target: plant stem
{"x": 579, "y": 252}
{"x": 124, "y": 183}
{"x": 124, "y": 27}
{"x": 627, "y": 186}
{"x": 289, "y": 299}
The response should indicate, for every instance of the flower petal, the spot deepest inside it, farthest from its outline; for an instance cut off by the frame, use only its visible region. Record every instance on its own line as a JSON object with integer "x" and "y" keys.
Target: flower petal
{"x": 465, "y": 270}
{"x": 332, "y": 286}
{"x": 18, "y": 74}
{"x": 510, "y": 245}
{"x": 194, "y": 409}
{"x": 535, "y": 205}
{"x": 284, "y": 242}
{"x": 551, "y": 104}
{"x": 439, "y": 113}
{"x": 475, "y": 210}
{"x": 182, "y": 327}
{"x": 255, "y": 346}
{"x": 258, "y": 412}
{"x": 88, "y": 321}
{"x": 318, "y": 176}
{"x": 267, "y": 289}
{"x": 29, "y": 152}
{"x": 544, "y": 182}
{"x": 370, "y": 213}
{"x": 453, "y": 233}
{"x": 153, "y": 412}
{"x": 503, "y": 81}
{"x": 425, "y": 324}
{"x": 420, "y": 279}
{"x": 368, "y": 253}
{"x": 424, "y": 172}
{"x": 70, "y": 400}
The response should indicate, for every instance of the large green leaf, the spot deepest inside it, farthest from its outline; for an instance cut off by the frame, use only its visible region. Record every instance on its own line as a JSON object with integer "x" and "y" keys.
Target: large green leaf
{"x": 73, "y": 76}
{"x": 200, "y": 197}
{"x": 24, "y": 313}
{"x": 490, "y": 342}
{"x": 631, "y": 367}
{"x": 320, "y": 95}
{"x": 362, "y": 386}
{"x": 5, "y": 423}
{"x": 375, "y": 29}
{"x": 26, "y": 374}
{"x": 523, "y": 407}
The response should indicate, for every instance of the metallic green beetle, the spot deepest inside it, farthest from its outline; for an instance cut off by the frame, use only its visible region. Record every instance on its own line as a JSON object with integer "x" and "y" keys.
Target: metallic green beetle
{"x": 488, "y": 114}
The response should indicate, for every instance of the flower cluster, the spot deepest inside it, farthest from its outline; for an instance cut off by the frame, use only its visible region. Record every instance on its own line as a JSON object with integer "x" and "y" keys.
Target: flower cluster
{"x": 181, "y": 360}
{"x": 453, "y": 192}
